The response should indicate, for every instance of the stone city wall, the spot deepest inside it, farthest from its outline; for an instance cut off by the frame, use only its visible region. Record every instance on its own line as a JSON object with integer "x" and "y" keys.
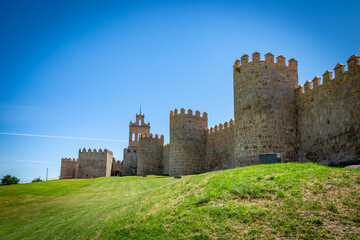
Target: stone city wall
{"x": 165, "y": 158}
{"x": 94, "y": 163}
{"x": 68, "y": 168}
{"x": 265, "y": 108}
{"x": 329, "y": 116}
{"x": 130, "y": 162}
{"x": 150, "y": 155}
{"x": 187, "y": 142}
{"x": 220, "y": 147}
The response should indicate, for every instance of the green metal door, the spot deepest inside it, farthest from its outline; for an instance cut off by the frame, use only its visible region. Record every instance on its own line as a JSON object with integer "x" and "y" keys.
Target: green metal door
{"x": 269, "y": 158}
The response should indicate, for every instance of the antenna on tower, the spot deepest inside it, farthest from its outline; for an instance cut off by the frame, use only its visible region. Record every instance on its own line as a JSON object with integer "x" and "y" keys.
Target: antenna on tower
{"x": 140, "y": 109}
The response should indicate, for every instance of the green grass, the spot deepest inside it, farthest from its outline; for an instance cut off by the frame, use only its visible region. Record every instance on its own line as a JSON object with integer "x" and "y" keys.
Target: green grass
{"x": 302, "y": 201}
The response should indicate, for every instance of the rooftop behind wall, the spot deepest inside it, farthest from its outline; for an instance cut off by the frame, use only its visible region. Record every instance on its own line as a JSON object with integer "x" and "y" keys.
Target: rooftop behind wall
{"x": 329, "y": 116}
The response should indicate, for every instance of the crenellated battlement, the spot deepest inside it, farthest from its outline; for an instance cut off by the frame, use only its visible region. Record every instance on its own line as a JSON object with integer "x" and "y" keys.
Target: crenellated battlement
{"x": 221, "y": 127}
{"x": 68, "y": 168}
{"x": 269, "y": 62}
{"x": 151, "y": 136}
{"x": 69, "y": 160}
{"x": 220, "y": 146}
{"x": 117, "y": 162}
{"x": 187, "y": 142}
{"x": 189, "y": 113}
{"x": 328, "y": 116}
{"x": 130, "y": 151}
{"x": 150, "y": 154}
{"x": 94, "y": 151}
{"x": 340, "y": 74}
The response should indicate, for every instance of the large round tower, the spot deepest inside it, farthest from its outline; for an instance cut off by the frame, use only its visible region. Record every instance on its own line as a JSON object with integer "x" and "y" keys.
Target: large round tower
{"x": 265, "y": 110}
{"x": 187, "y": 142}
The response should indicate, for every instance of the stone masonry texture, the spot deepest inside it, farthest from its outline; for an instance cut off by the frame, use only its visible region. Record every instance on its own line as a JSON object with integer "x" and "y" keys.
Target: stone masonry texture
{"x": 187, "y": 142}
{"x": 150, "y": 155}
{"x": 116, "y": 168}
{"x": 265, "y": 108}
{"x": 68, "y": 168}
{"x": 92, "y": 164}
{"x": 136, "y": 129}
{"x": 130, "y": 161}
{"x": 165, "y": 160}
{"x": 220, "y": 147}
{"x": 329, "y": 116}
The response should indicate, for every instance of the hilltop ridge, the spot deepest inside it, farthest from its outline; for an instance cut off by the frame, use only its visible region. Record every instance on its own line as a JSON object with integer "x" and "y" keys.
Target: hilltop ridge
{"x": 264, "y": 201}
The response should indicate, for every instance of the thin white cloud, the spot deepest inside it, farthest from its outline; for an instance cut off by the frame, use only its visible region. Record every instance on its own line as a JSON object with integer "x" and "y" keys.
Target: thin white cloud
{"x": 30, "y": 161}
{"x": 62, "y": 137}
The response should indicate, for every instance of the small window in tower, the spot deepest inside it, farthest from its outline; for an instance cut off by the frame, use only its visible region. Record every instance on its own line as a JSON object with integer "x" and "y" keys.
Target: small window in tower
{"x": 133, "y": 137}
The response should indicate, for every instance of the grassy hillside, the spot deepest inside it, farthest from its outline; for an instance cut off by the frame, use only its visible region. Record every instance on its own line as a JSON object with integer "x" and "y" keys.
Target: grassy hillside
{"x": 264, "y": 201}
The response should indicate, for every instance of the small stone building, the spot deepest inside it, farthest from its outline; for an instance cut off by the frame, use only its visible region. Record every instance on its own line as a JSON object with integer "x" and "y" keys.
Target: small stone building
{"x": 93, "y": 164}
{"x": 90, "y": 164}
{"x": 68, "y": 168}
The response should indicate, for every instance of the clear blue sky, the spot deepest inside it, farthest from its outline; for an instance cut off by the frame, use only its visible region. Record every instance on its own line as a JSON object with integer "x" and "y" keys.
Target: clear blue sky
{"x": 82, "y": 68}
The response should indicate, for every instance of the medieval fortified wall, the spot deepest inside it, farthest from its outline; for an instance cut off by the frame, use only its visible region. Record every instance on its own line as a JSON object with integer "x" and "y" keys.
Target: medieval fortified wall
{"x": 329, "y": 116}
{"x": 276, "y": 120}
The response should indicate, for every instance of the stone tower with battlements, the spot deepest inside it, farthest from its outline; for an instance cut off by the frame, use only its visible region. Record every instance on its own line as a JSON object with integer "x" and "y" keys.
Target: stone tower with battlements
{"x": 265, "y": 109}
{"x": 187, "y": 142}
{"x": 93, "y": 164}
{"x": 150, "y": 155}
{"x": 68, "y": 168}
{"x": 136, "y": 129}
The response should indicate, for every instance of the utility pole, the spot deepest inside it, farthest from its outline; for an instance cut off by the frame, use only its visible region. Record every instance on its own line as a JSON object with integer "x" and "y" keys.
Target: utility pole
{"x": 47, "y": 170}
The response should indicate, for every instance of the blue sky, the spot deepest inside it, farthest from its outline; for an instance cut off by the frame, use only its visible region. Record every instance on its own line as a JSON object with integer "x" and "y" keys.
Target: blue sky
{"x": 82, "y": 68}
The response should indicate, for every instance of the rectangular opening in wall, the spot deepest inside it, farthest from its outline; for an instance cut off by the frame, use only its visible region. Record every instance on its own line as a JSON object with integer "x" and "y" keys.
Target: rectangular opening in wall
{"x": 270, "y": 158}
